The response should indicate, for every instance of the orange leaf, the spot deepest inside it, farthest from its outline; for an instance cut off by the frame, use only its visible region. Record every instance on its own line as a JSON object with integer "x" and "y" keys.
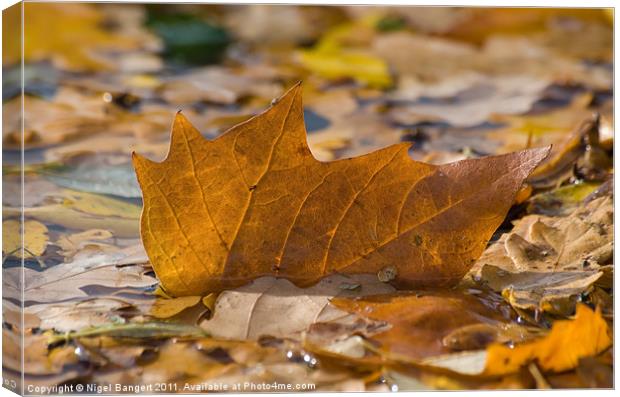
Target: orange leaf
{"x": 568, "y": 341}
{"x": 255, "y": 202}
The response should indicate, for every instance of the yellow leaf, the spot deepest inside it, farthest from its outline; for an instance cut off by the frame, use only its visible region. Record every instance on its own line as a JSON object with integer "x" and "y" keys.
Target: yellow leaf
{"x": 569, "y": 340}
{"x": 64, "y": 33}
{"x": 165, "y": 308}
{"x": 35, "y": 238}
{"x": 342, "y": 63}
{"x": 255, "y": 202}
{"x": 82, "y": 211}
{"x": 335, "y": 57}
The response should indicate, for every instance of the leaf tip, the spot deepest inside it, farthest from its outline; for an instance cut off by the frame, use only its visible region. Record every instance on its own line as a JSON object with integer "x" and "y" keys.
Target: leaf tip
{"x": 293, "y": 93}
{"x": 140, "y": 162}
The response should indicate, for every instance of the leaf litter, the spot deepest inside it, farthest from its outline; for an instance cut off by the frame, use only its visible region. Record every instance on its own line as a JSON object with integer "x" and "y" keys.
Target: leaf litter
{"x": 93, "y": 312}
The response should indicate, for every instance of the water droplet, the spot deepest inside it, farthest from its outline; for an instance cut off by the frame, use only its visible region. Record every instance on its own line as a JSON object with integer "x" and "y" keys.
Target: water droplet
{"x": 387, "y": 274}
{"x": 107, "y": 97}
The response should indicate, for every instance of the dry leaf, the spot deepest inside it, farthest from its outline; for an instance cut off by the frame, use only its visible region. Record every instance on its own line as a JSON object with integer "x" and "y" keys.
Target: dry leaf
{"x": 65, "y": 281}
{"x": 583, "y": 240}
{"x": 66, "y": 34}
{"x": 475, "y": 104}
{"x": 93, "y": 239}
{"x": 569, "y": 340}
{"x": 546, "y": 260}
{"x": 275, "y": 307}
{"x": 254, "y": 202}
{"x": 165, "y": 308}
{"x": 550, "y": 127}
{"x": 73, "y": 316}
{"x": 334, "y": 58}
{"x": 561, "y": 201}
{"x": 79, "y": 210}
{"x": 216, "y": 85}
{"x": 35, "y": 238}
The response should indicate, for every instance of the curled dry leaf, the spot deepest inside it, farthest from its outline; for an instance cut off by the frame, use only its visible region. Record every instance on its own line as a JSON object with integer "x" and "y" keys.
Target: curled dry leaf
{"x": 580, "y": 154}
{"x": 569, "y": 340}
{"x": 255, "y": 202}
{"x": 547, "y": 260}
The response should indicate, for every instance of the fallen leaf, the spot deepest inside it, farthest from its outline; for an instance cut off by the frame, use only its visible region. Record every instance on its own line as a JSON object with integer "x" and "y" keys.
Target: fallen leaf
{"x": 578, "y": 155}
{"x": 554, "y": 292}
{"x": 337, "y": 64}
{"x": 72, "y": 244}
{"x": 272, "y": 209}
{"x": 275, "y": 307}
{"x": 333, "y": 58}
{"x": 216, "y": 85}
{"x": 93, "y": 177}
{"x": 82, "y": 211}
{"x": 569, "y": 340}
{"x": 433, "y": 60}
{"x": 425, "y": 324}
{"x": 254, "y": 23}
{"x": 32, "y": 352}
{"x": 74, "y": 316}
{"x": 480, "y": 24}
{"x": 66, "y": 280}
{"x": 35, "y": 235}
{"x": 475, "y": 104}
{"x": 50, "y": 35}
{"x": 165, "y": 308}
{"x": 55, "y": 122}
{"x": 547, "y": 260}
{"x": 147, "y": 330}
{"x": 552, "y": 127}
{"x": 561, "y": 201}
{"x": 580, "y": 241}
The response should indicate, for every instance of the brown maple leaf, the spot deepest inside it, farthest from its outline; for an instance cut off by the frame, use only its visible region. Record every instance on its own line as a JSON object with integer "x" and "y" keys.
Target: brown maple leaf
{"x": 255, "y": 202}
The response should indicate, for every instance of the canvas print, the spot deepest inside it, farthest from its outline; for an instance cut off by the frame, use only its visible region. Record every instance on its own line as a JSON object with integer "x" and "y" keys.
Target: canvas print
{"x": 259, "y": 198}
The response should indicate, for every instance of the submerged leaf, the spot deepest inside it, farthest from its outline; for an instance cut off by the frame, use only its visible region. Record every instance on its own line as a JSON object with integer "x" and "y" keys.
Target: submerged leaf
{"x": 255, "y": 202}
{"x": 429, "y": 324}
